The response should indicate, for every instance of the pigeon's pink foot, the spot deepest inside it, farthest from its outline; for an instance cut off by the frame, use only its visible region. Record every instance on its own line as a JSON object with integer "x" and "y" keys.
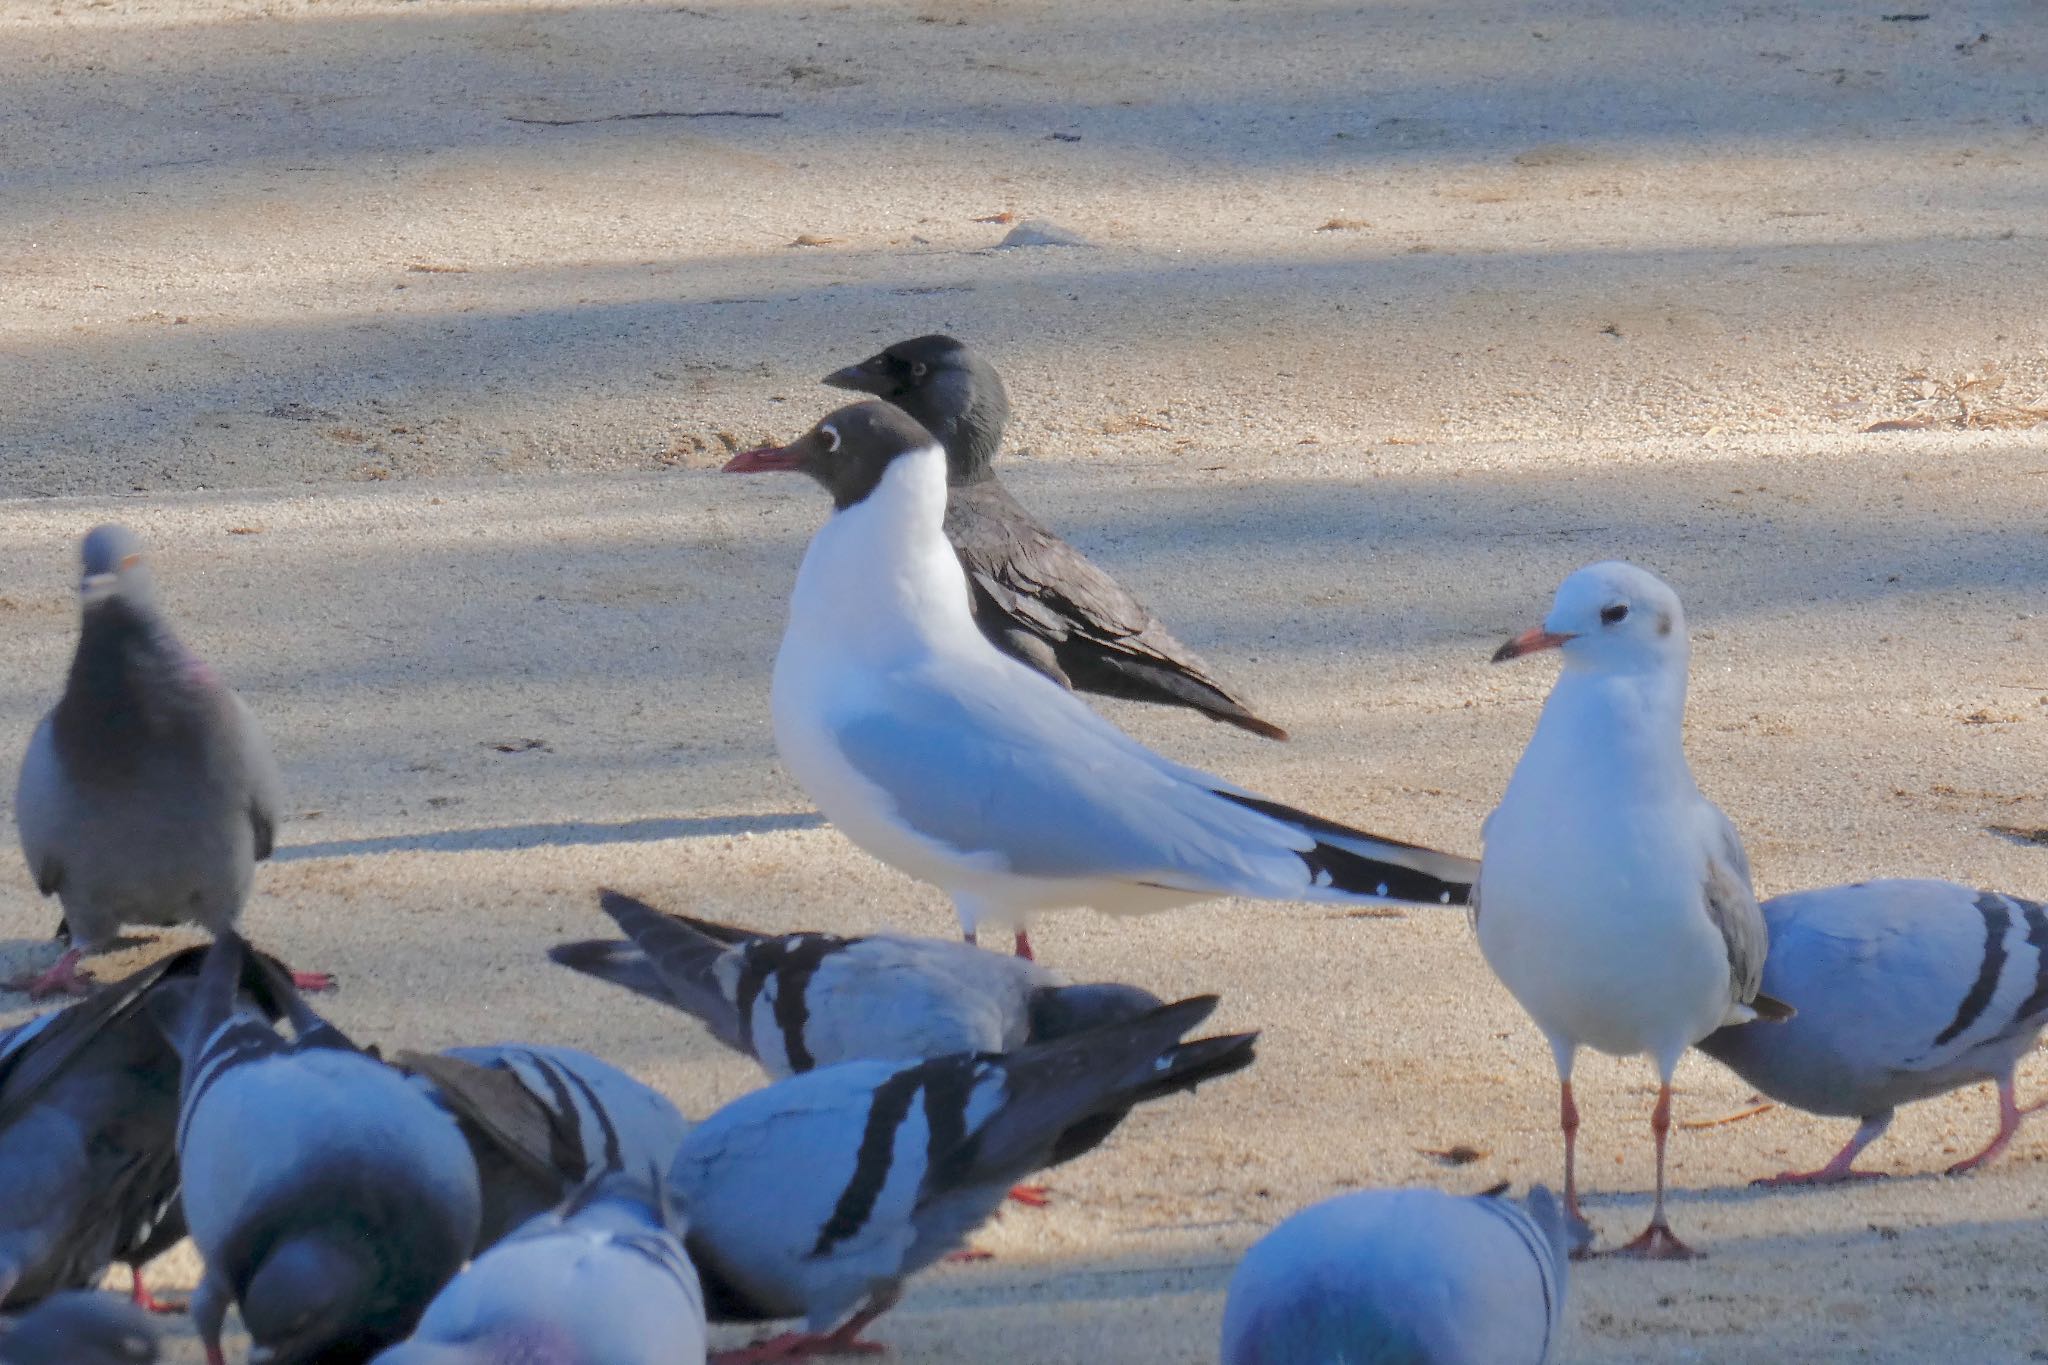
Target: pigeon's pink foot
{"x": 313, "y": 982}
{"x": 2009, "y": 1116}
{"x": 1826, "y": 1175}
{"x": 800, "y": 1346}
{"x": 1657, "y": 1243}
{"x": 62, "y": 979}
{"x": 138, "y": 1292}
{"x": 1031, "y": 1196}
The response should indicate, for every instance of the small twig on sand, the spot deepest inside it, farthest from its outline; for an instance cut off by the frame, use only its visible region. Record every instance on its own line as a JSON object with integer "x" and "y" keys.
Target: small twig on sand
{"x": 652, "y": 113}
{"x": 1697, "y": 1124}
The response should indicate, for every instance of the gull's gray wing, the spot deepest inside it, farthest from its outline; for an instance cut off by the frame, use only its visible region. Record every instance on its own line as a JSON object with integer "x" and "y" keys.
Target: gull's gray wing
{"x": 1026, "y": 774}
{"x": 1731, "y": 903}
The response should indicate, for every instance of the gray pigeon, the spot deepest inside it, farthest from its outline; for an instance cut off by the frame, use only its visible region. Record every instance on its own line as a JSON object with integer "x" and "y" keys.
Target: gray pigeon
{"x": 88, "y": 1130}
{"x": 329, "y": 1197}
{"x": 605, "y": 1281}
{"x": 1403, "y": 1277}
{"x": 1905, "y": 989}
{"x": 793, "y": 1002}
{"x": 81, "y": 1328}
{"x": 1035, "y": 597}
{"x": 148, "y": 795}
{"x": 544, "y": 1122}
{"x": 818, "y": 1196}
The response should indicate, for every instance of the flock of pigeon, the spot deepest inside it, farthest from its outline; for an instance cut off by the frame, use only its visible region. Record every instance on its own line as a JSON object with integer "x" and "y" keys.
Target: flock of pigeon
{"x": 530, "y": 1203}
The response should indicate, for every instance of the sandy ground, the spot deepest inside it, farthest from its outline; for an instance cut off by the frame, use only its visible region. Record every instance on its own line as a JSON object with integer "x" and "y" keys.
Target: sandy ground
{"x": 411, "y": 352}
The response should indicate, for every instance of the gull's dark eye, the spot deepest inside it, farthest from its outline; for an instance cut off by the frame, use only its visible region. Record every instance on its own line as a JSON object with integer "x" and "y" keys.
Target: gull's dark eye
{"x": 1614, "y": 614}
{"x": 917, "y": 368}
{"x": 831, "y": 434}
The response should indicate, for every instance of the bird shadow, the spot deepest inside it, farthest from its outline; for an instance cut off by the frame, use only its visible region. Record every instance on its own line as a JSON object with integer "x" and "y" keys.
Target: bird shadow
{"x": 556, "y": 834}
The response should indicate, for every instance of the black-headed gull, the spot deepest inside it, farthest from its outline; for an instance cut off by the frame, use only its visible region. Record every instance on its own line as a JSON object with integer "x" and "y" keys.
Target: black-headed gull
{"x": 1035, "y": 597}
{"x": 954, "y": 763}
{"x": 1614, "y": 900}
{"x": 1906, "y": 990}
{"x": 148, "y": 793}
{"x": 1403, "y": 1277}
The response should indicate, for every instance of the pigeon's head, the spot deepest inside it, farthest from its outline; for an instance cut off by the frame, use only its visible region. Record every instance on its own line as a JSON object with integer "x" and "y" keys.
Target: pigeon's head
{"x": 111, "y": 564}
{"x": 314, "y": 1298}
{"x": 849, "y": 451}
{"x": 1063, "y": 1011}
{"x": 1611, "y": 617}
{"x": 950, "y": 390}
{"x": 81, "y": 1328}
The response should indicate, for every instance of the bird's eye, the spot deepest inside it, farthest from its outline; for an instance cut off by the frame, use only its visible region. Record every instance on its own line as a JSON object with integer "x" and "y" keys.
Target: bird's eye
{"x": 1615, "y": 614}
{"x": 831, "y": 434}
{"x": 917, "y": 368}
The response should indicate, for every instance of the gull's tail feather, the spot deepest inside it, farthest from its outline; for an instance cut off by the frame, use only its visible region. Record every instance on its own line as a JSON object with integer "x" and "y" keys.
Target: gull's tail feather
{"x": 1354, "y": 864}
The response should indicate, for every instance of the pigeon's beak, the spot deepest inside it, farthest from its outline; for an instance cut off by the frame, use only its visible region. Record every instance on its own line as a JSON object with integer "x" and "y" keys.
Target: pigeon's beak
{"x": 1531, "y": 641}
{"x": 855, "y": 377}
{"x": 763, "y": 459}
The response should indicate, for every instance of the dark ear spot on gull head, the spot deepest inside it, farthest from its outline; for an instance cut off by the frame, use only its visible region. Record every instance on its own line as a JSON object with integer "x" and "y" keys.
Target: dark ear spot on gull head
{"x": 848, "y": 451}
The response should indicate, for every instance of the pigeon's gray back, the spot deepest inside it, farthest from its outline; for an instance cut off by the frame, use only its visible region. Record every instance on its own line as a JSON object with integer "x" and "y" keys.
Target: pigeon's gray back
{"x": 1904, "y": 989}
{"x": 81, "y": 1328}
{"x": 894, "y": 997}
{"x": 1399, "y": 1277}
{"x": 609, "y": 1282}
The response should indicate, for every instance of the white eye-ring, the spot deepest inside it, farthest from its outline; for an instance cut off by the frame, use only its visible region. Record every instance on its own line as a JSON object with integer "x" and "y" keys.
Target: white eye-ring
{"x": 831, "y": 437}
{"x": 917, "y": 369}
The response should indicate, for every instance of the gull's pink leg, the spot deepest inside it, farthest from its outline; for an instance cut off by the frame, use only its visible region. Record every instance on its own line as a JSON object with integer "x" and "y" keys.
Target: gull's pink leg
{"x": 1657, "y": 1242}
{"x": 1568, "y": 1120}
{"x": 1840, "y": 1168}
{"x": 313, "y": 982}
{"x": 1031, "y": 1196}
{"x": 62, "y": 979}
{"x": 1024, "y": 946}
{"x": 2009, "y": 1116}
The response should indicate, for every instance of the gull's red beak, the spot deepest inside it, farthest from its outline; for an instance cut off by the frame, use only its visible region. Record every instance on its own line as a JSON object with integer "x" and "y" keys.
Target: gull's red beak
{"x": 1530, "y": 641}
{"x": 761, "y": 459}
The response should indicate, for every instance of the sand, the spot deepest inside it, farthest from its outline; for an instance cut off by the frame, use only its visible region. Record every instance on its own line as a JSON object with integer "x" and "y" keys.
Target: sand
{"x": 413, "y": 355}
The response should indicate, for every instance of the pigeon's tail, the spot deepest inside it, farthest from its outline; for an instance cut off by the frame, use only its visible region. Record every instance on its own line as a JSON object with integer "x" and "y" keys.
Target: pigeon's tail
{"x": 1350, "y": 864}
{"x": 1064, "y": 1097}
{"x": 212, "y": 1003}
{"x": 672, "y": 959}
